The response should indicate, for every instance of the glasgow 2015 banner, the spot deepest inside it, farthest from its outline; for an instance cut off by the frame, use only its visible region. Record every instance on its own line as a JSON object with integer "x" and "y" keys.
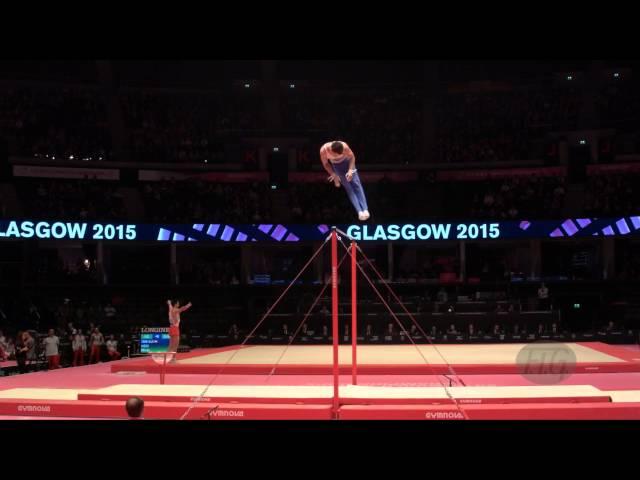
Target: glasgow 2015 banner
{"x": 426, "y": 231}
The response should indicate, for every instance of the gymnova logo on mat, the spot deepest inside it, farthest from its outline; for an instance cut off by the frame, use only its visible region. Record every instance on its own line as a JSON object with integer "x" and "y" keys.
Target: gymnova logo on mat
{"x": 546, "y": 363}
{"x": 444, "y": 416}
{"x": 34, "y": 408}
{"x": 228, "y": 413}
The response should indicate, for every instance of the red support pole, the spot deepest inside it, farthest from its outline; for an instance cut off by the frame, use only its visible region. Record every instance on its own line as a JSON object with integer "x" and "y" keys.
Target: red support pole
{"x": 354, "y": 316}
{"x": 334, "y": 315}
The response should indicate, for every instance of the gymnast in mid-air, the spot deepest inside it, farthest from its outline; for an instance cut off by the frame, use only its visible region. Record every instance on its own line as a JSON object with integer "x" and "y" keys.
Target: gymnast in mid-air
{"x": 340, "y": 163}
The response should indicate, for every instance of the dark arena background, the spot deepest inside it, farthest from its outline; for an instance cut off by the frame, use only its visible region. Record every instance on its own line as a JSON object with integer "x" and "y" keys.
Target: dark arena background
{"x": 493, "y": 274}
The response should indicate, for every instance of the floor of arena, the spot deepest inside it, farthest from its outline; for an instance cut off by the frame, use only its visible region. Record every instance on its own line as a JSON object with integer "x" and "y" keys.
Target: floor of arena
{"x": 98, "y": 391}
{"x": 388, "y": 359}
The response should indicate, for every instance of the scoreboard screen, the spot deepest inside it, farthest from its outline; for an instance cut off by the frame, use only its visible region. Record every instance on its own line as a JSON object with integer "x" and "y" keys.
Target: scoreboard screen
{"x": 154, "y": 340}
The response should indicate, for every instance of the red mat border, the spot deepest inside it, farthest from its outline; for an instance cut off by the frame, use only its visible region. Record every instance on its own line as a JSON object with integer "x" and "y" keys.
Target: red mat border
{"x": 583, "y": 411}
{"x": 174, "y": 410}
{"x": 164, "y": 410}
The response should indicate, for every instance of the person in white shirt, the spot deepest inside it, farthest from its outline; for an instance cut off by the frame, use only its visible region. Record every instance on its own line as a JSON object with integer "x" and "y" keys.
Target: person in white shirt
{"x": 51, "y": 350}
{"x": 79, "y": 346}
{"x": 11, "y": 349}
{"x": 96, "y": 341}
{"x": 112, "y": 348}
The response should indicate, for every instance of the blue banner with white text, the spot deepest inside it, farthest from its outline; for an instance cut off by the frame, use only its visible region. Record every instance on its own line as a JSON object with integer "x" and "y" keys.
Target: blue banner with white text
{"x": 424, "y": 231}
